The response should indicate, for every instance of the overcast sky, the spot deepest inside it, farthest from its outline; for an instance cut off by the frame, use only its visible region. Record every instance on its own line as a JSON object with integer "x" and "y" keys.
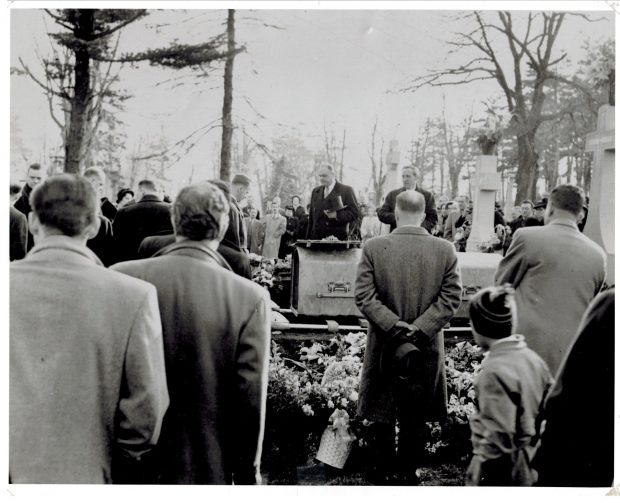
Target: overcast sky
{"x": 316, "y": 67}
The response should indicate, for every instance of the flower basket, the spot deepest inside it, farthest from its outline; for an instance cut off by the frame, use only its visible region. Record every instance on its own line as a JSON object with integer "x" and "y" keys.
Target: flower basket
{"x": 334, "y": 448}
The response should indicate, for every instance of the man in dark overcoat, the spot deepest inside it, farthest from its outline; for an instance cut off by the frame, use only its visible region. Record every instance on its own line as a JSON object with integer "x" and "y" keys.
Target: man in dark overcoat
{"x": 217, "y": 329}
{"x": 410, "y": 177}
{"x": 405, "y": 280}
{"x": 149, "y": 216}
{"x": 333, "y": 208}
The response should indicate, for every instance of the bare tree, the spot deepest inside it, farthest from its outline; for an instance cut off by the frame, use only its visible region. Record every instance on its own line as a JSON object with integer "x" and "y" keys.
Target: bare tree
{"x": 227, "y": 125}
{"x": 534, "y": 48}
{"x": 377, "y": 165}
{"x": 456, "y": 148}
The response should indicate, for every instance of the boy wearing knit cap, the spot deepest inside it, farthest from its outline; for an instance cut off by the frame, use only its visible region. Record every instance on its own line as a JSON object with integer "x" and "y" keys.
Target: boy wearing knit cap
{"x": 509, "y": 390}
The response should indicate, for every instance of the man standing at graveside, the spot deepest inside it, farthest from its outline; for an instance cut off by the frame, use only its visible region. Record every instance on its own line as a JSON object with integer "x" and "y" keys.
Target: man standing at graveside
{"x": 87, "y": 377}
{"x": 333, "y": 208}
{"x": 18, "y": 237}
{"x": 102, "y": 244}
{"x": 216, "y": 339}
{"x": 410, "y": 177}
{"x": 236, "y": 228}
{"x": 408, "y": 287}
{"x": 33, "y": 178}
{"x": 149, "y": 216}
{"x": 556, "y": 271}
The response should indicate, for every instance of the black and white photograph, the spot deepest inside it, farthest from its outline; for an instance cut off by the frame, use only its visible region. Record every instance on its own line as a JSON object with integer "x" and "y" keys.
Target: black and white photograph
{"x": 304, "y": 244}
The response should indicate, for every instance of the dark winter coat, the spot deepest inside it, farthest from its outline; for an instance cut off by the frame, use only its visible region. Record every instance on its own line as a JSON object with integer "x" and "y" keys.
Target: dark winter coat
{"x": 386, "y": 212}
{"x": 319, "y": 225}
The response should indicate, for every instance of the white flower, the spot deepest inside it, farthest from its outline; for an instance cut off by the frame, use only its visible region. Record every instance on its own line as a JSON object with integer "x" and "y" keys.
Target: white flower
{"x": 353, "y": 396}
{"x": 307, "y": 410}
{"x": 344, "y": 402}
{"x": 330, "y": 404}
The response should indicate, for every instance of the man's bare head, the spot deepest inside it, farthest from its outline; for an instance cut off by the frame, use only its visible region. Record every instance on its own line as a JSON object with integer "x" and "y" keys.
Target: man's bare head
{"x": 409, "y": 209}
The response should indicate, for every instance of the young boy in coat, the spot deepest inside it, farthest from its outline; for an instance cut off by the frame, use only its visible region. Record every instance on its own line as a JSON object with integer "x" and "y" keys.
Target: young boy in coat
{"x": 509, "y": 390}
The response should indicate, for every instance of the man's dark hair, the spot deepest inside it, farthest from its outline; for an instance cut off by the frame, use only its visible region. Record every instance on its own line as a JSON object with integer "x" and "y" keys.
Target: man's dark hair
{"x": 197, "y": 211}
{"x": 65, "y": 202}
{"x": 36, "y": 166}
{"x": 568, "y": 198}
{"x": 527, "y": 201}
{"x": 14, "y": 189}
{"x": 296, "y": 196}
{"x": 147, "y": 186}
{"x": 329, "y": 167}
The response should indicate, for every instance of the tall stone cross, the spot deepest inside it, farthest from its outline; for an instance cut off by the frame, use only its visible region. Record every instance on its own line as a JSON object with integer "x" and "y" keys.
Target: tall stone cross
{"x": 487, "y": 182}
{"x": 601, "y": 222}
{"x": 392, "y": 180}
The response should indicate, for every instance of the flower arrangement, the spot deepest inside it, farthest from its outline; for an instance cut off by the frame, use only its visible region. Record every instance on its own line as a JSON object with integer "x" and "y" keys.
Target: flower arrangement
{"x": 317, "y": 388}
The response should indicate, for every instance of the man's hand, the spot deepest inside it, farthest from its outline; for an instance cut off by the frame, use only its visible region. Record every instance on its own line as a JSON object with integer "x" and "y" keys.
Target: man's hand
{"x": 402, "y": 324}
{"x": 330, "y": 214}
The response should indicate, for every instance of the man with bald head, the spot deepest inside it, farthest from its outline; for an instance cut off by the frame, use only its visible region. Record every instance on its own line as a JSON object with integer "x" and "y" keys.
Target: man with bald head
{"x": 410, "y": 177}
{"x": 408, "y": 287}
{"x": 217, "y": 329}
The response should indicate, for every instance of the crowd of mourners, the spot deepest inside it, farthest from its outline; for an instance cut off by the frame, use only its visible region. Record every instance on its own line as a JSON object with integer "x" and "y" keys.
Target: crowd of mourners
{"x": 139, "y": 346}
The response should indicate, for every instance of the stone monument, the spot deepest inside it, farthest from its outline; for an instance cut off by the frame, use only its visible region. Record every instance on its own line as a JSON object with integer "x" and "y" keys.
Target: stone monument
{"x": 600, "y": 226}
{"x": 392, "y": 179}
{"x": 487, "y": 183}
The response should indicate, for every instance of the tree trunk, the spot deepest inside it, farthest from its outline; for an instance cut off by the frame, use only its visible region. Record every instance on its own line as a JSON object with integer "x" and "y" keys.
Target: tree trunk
{"x": 454, "y": 181}
{"x": 227, "y": 125}
{"x": 527, "y": 168}
{"x": 74, "y": 145}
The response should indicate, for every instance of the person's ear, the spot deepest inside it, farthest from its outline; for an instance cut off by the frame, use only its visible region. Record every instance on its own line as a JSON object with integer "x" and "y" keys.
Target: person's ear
{"x": 34, "y": 225}
{"x": 93, "y": 229}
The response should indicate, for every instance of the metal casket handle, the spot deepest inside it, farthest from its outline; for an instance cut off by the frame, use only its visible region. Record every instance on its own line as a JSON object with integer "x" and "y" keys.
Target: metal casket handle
{"x": 337, "y": 289}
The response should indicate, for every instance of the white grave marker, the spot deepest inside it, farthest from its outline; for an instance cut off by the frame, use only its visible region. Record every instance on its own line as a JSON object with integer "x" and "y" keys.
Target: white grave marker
{"x": 601, "y": 218}
{"x": 487, "y": 182}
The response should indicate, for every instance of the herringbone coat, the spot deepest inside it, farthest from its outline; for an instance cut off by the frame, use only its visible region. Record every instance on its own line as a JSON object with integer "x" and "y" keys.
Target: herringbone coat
{"x": 412, "y": 276}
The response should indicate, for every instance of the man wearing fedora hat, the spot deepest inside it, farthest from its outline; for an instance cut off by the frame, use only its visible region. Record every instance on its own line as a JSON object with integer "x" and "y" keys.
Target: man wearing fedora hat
{"x": 408, "y": 287}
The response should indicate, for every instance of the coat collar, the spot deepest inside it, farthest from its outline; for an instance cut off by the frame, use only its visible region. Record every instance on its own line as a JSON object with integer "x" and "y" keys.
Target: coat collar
{"x": 566, "y": 222}
{"x": 412, "y": 230}
{"x": 66, "y": 244}
{"x": 194, "y": 249}
{"x": 149, "y": 198}
{"x": 515, "y": 341}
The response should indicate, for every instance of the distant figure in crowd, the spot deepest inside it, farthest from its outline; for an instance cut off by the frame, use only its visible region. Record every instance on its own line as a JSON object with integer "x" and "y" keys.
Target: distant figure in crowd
{"x": 236, "y": 229}
{"x": 275, "y": 227}
{"x": 149, "y": 216}
{"x": 237, "y": 260}
{"x": 583, "y": 218}
{"x": 444, "y": 211}
{"x": 509, "y": 391}
{"x": 333, "y": 208}
{"x": 456, "y": 218}
{"x": 580, "y": 407}
{"x": 87, "y": 378}
{"x": 539, "y": 211}
{"x": 410, "y": 176}
{"x": 287, "y": 243}
{"x": 526, "y": 218}
{"x": 124, "y": 198}
{"x": 407, "y": 281}
{"x": 102, "y": 244}
{"x": 18, "y": 237}
{"x": 298, "y": 209}
{"x": 371, "y": 226}
{"x": 33, "y": 178}
{"x": 256, "y": 232}
{"x": 96, "y": 176}
{"x": 556, "y": 271}
{"x": 216, "y": 338}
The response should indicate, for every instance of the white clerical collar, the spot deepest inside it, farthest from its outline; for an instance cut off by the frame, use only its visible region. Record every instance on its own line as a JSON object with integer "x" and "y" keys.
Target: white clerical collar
{"x": 327, "y": 190}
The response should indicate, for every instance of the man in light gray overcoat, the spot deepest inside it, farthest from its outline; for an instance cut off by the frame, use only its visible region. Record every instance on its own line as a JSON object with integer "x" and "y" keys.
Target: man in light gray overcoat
{"x": 87, "y": 379}
{"x": 217, "y": 330}
{"x": 406, "y": 280}
{"x": 556, "y": 271}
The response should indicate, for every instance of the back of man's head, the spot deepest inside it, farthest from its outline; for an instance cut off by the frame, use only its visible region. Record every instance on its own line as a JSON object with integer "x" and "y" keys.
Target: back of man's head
{"x": 409, "y": 209}
{"x": 147, "y": 187}
{"x": 567, "y": 198}
{"x": 200, "y": 212}
{"x": 65, "y": 203}
{"x": 14, "y": 190}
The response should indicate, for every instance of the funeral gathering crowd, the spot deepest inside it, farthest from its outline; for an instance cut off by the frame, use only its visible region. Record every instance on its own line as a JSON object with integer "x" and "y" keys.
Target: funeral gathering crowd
{"x": 139, "y": 346}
